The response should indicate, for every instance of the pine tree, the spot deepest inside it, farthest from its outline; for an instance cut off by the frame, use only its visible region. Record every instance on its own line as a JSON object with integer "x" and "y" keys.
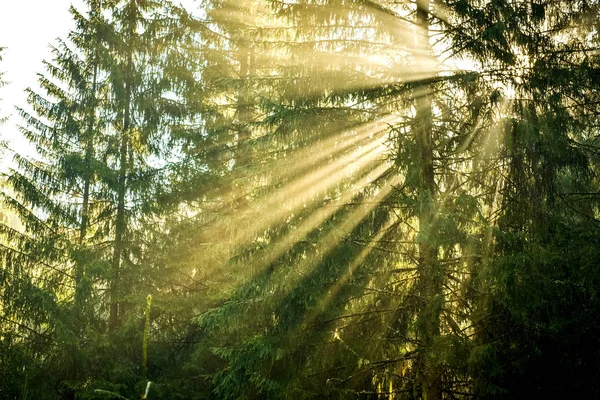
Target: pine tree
{"x": 536, "y": 272}
{"x": 144, "y": 69}
{"x": 112, "y": 92}
{"x": 53, "y": 198}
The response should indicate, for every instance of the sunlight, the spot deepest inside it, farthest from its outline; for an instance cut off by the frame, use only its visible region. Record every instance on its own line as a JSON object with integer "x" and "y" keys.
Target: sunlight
{"x": 312, "y": 221}
{"x": 303, "y": 191}
{"x": 333, "y": 145}
{"x": 317, "y": 218}
{"x": 379, "y": 48}
{"x": 349, "y": 271}
{"x": 346, "y": 153}
{"x": 339, "y": 232}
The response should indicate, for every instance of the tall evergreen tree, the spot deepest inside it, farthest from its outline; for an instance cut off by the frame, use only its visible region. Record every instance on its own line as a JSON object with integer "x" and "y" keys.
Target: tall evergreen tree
{"x": 446, "y": 194}
{"x": 537, "y": 269}
{"x": 111, "y": 93}
{"x": 57, "y": 197}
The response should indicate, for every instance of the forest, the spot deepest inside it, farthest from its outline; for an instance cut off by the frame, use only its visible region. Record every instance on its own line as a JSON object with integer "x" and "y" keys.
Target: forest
{"x": 306, "y": 199}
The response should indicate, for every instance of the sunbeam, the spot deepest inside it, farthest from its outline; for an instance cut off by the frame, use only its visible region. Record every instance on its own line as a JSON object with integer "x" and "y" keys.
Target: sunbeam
{"x": 339, "y": 232}
{"x": 311, "y": 317}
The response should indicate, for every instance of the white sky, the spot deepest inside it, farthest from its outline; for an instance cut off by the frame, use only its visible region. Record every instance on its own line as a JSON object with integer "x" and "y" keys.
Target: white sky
{"x": 27, "y": 27}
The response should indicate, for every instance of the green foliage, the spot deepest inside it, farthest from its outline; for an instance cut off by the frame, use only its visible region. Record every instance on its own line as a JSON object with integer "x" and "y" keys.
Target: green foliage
{"x": 316, "y": 206}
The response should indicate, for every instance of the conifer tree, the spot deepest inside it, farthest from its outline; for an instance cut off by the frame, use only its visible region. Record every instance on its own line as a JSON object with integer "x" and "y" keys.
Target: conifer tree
{"x": 436, "y": 158}
{"x": 53, "y": 197}
{"x": 111, "y": 92}
{"x": 549, "y": 164}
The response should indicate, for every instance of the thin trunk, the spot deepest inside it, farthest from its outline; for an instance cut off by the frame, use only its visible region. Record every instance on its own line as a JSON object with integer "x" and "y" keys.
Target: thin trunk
{"x": 79, "y": 264}
{"x": 120, "y": 219}
{"x": 243, "y": 106}
{"x": 89, "y": 150}
{"x": 430, "y": 275}
{"x": 244, "y": 111}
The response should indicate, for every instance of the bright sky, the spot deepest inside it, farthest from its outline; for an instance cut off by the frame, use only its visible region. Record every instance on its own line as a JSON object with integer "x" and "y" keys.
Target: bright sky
{"x": 27, "y": 27}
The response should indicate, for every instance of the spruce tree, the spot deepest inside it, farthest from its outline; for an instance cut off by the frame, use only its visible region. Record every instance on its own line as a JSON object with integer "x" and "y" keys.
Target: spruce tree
{"x": 423, "y": 281}
{"x": 53, "y": 199}
{"x": 112, "y": 92}
{"x": 537, "y": 270}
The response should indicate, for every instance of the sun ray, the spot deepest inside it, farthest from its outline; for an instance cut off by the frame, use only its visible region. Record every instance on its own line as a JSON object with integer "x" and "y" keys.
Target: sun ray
{"x": 305, "y": 191}
{"x": 380, "y": 47}
{"x": 313, "y": 220}
{"x": 311, "y": 317}
{"x": 318, "y": 217}
{"x": 339, "y": 232}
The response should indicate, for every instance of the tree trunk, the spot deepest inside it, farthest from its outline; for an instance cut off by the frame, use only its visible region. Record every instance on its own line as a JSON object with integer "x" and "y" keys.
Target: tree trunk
{"x": 121, "y": 191}
{"x": 430, "y": 274}
{"x": 244, "y": 112}
{"x": 89, "y": 150}
{"x": 79, "y": 262}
